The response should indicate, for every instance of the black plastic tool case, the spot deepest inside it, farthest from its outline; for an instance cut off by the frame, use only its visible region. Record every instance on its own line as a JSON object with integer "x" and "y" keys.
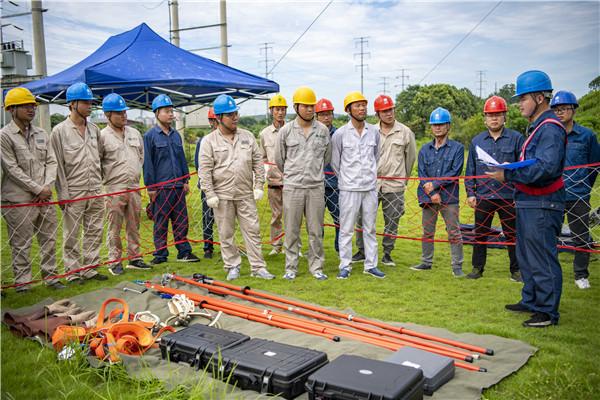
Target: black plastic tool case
{"x": 351, "y": 377}
{"x": 437, "y": 370}
{"x": 270, "y": 367}
{"x": 197, "y": 344}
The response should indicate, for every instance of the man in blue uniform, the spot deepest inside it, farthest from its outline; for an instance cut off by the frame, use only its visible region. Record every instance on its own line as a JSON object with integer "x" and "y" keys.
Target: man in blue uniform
{"x": 441, "y": 157}
{"x": 582, "y": 148}
{"x": 488, "y": 196}
{"x": 164, "y": 160}
{"x": 539, "y": 201}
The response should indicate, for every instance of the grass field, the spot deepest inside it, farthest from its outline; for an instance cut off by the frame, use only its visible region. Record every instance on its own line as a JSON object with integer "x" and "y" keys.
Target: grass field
{"x": 567, "y": 365}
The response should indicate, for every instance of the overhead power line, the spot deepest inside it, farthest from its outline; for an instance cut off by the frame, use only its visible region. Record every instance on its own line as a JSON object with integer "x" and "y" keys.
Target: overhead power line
{"x": 460, "y": 41}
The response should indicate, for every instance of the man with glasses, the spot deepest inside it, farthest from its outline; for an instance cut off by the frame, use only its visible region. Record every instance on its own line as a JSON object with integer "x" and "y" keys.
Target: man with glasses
{"x": 582, "y": 148}
{"x": 354, "y": 160}
{"x": 76, "y": 143}
{"x": 539, "y": 201}
{"x": 488, "y": 196}
{"x": 232, "y": 175}
{"x": 28, "y": 175}
{"x": 122, "y": 159}
{"x": 397, "y": 156}
{"x": 164, "y": 161}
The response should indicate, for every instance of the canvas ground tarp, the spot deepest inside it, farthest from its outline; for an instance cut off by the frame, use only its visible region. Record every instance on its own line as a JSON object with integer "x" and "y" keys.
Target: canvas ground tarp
{"x": 510, "y": 355}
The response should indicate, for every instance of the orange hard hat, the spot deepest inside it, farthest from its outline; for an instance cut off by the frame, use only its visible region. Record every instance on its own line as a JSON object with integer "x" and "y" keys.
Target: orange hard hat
{"x": 383, "y": 102}
{"x": 323, "y": 105}
{"x": 211, "y": 113}
{"x": 495, "y": 104}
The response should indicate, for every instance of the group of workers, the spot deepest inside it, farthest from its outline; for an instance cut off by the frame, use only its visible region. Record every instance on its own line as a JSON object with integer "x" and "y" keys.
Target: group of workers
{"x": 309, "y": 166}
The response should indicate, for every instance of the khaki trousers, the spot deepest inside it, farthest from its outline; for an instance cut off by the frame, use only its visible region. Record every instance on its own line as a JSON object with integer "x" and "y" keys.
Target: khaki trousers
{"x": 244, "y": 210}
{"x": 87, "y": 215}
{"x": 275, "y": 195}
{"x": 126, "y": 207}
{"x": 23, "y": 224}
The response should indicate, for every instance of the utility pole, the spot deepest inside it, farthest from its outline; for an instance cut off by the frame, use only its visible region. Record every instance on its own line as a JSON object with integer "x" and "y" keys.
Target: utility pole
{"x": 174, "y": 13}
{"x": 224, "y": 45}
{"x": 481, "y": 74}
{"x": 384, "y": 82}
{"x": 362, "y": 41}
{"x": 402, "y": 76}
{"x": 264, "y": 50}
{"x": 39, "y": 52}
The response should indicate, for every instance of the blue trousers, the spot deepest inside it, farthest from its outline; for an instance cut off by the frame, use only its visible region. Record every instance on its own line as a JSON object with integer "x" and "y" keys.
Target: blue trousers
{"x": 208, "y": 220}
{"x": 332, "y": 203}
{"x": 170, "y": 205}
{"x": 537, "y": 237}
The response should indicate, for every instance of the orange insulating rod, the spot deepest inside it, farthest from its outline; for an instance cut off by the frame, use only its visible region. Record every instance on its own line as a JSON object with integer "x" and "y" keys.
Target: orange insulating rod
{"x": 403, "y": 339}
{"x": 349, "y": 317}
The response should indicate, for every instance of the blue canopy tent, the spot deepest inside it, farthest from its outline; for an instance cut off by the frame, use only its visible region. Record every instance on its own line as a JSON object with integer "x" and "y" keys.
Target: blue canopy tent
{"x": 139, "y": 65}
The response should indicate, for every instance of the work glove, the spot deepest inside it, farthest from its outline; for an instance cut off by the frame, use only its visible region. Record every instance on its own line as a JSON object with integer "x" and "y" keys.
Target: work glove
{"x": 59, "y": 306}
{"x": 72, "y": 310}
{"x": 213, "y": 202}
{"x": 258, "y": 194}
{"x": 82, "y": 317}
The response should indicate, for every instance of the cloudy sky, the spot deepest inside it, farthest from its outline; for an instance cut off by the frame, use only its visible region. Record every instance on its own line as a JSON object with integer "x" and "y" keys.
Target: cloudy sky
{"x": 561, "y": 38}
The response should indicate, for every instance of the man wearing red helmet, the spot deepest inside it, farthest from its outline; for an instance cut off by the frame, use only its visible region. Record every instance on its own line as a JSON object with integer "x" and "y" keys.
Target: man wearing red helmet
{"x": 397, "y": 156}
{"x": 324, "y": 110}
{"x": 488, "y": 196}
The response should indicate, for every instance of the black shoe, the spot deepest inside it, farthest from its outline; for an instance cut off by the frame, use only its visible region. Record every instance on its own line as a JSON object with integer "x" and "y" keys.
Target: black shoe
{"x": 358, "y": 257}
{"x": 58, "y": 285}
{"x": 516, "y": 276}
{"x": 76, "y": 281}
{"x": 421, "y": 267}
{"x": 190, "y": 257}
{"x": 539, "y": 320}
{"x": 387, "y": 260}
{"x": 116, "y": 269}
{"x": 518, "y": 307}
{"x": 23, "y": 289}
{"x": 476, "y": 273}
{"x": 208, "y": 254}
{"x": 138, "y": 264}
{"x": 158, "y": 260}
{"x": 99, "y": 277}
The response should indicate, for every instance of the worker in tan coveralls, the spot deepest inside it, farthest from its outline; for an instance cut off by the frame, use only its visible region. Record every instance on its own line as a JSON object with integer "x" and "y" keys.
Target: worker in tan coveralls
{"x": 232, "y": 175}
{"x": 76, "y": 144}
{"x": 303, "y": 149}
{"x": 268, "y": 138}
{"x": 28, "y": 175}
{"x": 122, "y": 160}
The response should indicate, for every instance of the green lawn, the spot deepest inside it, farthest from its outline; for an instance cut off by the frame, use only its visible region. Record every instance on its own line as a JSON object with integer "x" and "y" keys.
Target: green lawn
{"x": 567, "y": 365}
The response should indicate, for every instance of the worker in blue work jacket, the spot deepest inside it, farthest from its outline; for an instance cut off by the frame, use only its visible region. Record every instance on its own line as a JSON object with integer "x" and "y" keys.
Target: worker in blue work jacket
{"x": 440, "y": 158}
{"x": 324, "y": 111}
{"x": 164, "y": 161}
{"x": 582, "y": 149}
{"x": 208, "y": 217}
{"x": 539, "y": 201}
{"x": 488, "y": 196}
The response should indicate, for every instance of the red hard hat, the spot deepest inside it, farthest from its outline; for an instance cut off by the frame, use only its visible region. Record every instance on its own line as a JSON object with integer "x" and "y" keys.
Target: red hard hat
{"x": 495, "y": 104}
{"x": 383, "y": 102}
{"x": 323, "y": 105}
{"x": 211, "y": 113}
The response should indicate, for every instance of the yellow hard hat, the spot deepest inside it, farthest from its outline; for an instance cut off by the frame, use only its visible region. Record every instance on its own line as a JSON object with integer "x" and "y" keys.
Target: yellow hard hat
{"x": 18, "y": 96}
{"x": 353, "y": 97}
{"x": 278, "y": 101}
{"x": 305, "y": 95}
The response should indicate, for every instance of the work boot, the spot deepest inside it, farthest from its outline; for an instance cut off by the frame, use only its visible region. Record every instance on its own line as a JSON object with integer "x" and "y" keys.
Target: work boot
{"x": 57, "y": 285}
{"x": 387, "y": 260}
{"x": 75, "y": 281}
{"x": 138, "y": 264}
{"x": 99, "y": 277}
{"x": 23, "y": 289}
{"x": 516, "y": 276}
{"x": 158, "y": 260}
{"x": 517, "y": 307}
{"x": 358, "y": 257}
{"x": 476, "y": 273}
{"x": 208, "y": 254}
{"x": 262, "y": 273}
{"x": 116, "y": 269}
{"x": 539, "y": 320}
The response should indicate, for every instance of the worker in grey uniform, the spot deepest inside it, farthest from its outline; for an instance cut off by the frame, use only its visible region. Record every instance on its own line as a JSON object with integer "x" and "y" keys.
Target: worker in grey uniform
{"x": 76, "y": 143}
{"x": 302, "y": 150}
{"x": 28, "y": 175}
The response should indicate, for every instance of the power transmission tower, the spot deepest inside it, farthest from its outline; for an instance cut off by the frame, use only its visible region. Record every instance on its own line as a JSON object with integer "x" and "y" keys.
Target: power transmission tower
{"x": 481, "y": 74}
{"x": 362, "y": 41}
{"x": 385, "y": 81}
{"x": 402, "y": 76}
{"x": 264, "y": 50}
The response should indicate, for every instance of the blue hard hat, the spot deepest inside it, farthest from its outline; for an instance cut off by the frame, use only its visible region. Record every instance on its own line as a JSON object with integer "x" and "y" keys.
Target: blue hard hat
{"x": 533, "y": 81}
{"x": 564, "y": 97}
{"x": 160, "y": 101}
{"x": 440, "y": 116}
{"x": 79, "y": 91}
{"x": 224, "y": 104}
{"x": 114, "y": 102}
